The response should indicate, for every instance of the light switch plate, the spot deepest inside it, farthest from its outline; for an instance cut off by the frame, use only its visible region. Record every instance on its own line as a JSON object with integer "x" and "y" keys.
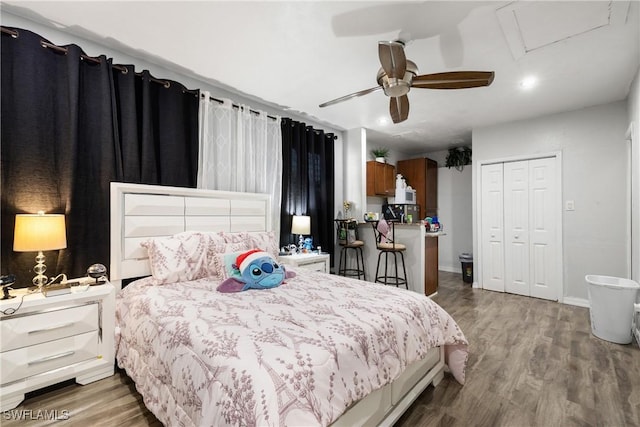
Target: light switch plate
{"x": 570, "y": 205}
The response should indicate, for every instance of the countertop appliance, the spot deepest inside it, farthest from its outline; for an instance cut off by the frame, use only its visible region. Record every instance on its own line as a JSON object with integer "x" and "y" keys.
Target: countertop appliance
{"x": 404, "y": 196}
{"x": 401, "y": 212}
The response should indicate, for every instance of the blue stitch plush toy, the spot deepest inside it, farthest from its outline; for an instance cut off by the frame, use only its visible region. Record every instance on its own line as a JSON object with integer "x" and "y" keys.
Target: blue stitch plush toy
{"x": 258, "y": 270}
{"x": 308, "y": 244}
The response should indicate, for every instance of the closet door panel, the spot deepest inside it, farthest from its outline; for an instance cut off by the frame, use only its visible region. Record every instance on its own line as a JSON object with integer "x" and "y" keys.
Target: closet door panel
{"x": 516, "y": 227}
{"x": 492, "y": 220}
{"x": 544, "y": 216}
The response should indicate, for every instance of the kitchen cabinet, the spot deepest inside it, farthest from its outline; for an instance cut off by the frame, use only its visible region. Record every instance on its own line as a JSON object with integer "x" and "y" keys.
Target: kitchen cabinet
{"x": 381, "y": 179}
{"x": 422, "y": 175}
{"x": 431, "y": 263}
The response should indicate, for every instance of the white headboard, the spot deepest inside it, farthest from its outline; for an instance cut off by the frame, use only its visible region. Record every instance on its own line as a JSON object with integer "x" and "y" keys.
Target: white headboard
{"x": 140, "y": 211}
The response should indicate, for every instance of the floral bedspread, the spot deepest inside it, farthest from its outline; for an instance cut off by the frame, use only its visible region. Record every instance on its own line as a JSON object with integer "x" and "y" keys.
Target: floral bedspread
{"x": 298, "y": 354}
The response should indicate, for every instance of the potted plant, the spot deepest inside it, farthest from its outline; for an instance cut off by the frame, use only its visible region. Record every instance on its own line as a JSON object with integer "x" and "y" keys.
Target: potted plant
{"x": 380, "y": 154}
{"x": 458, "y": 158}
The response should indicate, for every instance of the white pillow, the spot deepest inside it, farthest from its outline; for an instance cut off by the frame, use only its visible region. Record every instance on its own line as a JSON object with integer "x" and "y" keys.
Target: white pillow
{"x": 181, "y": 257}
{"x": 265, "y": 240}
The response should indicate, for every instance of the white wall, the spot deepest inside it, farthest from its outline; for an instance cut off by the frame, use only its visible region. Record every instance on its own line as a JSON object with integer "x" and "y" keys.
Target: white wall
{"x": 594, "y": 175}
{"x": 355, "y": 175}
{"x": 454, "y": 212}
{"x": 634, "y": 120}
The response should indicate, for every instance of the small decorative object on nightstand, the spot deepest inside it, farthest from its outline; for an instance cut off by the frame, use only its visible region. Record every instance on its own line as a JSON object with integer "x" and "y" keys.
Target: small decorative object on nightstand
{"x": 48, "y": 340}
{"x": 311, "y": 261}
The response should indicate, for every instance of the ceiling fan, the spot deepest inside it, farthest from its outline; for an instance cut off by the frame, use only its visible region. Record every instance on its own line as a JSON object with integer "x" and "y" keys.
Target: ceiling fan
{"x": 398, "y": 75}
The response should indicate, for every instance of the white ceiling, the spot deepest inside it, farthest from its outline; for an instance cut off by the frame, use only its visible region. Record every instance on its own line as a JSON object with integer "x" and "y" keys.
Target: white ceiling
{"x": 295, "y": 55}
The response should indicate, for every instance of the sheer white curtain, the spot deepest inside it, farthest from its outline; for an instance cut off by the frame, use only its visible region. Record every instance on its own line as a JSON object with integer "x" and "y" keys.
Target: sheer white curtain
{"x": 240, "y": 151}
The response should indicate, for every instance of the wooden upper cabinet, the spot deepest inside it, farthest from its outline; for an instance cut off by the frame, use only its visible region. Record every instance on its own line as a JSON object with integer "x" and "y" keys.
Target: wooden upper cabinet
{"x": 422, "y": 175}
{"x": 381, "y": 179}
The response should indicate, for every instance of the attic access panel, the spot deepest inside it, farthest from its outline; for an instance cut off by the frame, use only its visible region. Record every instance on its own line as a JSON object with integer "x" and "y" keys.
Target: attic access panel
{"x": 529, "y": 26}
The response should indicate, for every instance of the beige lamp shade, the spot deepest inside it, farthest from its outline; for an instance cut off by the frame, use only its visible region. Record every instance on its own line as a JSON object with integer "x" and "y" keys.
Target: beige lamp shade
{"x": 39, "y": 232}
{"x": 301, "y": 224}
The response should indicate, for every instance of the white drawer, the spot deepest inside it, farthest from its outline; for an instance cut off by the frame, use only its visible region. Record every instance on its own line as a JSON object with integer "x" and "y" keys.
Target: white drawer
{"x": 27, "y": 361}
{"x": 42, "y": 327}
{"x": 314, "y": 266}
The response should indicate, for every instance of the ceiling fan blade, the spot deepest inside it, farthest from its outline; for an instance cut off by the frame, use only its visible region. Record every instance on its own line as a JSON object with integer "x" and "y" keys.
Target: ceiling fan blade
{"x": 392, "y": 59}
{"x": 453, "y": 80}
{"x": 399, "y": 108}
{"x": 352, "y": 95}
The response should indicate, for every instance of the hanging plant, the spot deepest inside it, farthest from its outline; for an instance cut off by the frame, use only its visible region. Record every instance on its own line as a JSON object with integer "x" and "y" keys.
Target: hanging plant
{"x": 458, "y": 157}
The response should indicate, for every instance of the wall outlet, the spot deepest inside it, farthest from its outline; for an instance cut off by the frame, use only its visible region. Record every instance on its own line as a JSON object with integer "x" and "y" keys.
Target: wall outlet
{"x": 570, "y": 205}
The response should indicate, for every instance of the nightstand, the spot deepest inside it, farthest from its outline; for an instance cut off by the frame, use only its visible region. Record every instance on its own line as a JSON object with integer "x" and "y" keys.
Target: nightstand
{"x": 53, "y": 339}
{"x": 312, "y": 261}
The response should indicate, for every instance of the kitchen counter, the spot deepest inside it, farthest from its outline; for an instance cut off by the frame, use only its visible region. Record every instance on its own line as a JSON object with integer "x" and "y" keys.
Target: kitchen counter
{"x": 435, "y": 233}
{"x": 420, "y": 257}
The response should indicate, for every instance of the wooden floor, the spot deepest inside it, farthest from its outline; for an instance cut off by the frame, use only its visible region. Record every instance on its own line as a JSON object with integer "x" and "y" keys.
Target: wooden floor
{"x": 532, "y": 363}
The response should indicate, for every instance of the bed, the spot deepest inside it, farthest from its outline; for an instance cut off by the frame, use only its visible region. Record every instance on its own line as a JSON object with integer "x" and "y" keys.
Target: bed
{"x": 318, "y": 350}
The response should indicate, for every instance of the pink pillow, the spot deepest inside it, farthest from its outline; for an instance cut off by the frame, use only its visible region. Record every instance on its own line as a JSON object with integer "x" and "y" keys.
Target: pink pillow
{"x": 181, "y": 257}
{"x": 265, "y": 240}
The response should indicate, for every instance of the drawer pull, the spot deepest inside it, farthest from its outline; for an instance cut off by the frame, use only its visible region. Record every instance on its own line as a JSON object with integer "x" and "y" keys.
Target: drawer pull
{"x": 51, "y": 328}
{"x": 49, "y": 358}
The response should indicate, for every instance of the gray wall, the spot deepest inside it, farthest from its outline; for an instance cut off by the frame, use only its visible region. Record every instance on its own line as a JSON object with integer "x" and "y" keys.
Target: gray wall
{"x": 595, "y": 169}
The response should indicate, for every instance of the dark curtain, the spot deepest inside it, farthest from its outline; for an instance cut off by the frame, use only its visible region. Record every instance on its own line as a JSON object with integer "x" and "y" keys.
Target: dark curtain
{"x": 66, "y": 134}
{"x": 308, "y": 181}
{"x": 158, "y": 126}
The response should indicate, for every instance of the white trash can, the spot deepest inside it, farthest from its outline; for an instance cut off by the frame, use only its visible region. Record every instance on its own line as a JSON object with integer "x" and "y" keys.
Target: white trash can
{"x": 611, "y": 306}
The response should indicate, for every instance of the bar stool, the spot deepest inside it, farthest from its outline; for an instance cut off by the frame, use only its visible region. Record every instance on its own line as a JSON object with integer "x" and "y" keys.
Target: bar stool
{"x": 347, "y": 233}
{"x": 385, "y": 243}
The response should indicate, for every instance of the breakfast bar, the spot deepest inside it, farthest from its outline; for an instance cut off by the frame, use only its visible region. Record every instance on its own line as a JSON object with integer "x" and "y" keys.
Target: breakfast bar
{"x": 420, "y": 257}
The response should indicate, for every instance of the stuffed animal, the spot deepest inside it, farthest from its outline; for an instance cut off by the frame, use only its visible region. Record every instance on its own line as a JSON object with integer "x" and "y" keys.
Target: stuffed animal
{"x": 258, "y": 270}
{"x": 308, "y": 244}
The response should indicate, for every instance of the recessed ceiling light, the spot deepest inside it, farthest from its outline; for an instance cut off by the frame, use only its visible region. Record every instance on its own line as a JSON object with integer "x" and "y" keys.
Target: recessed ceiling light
{"x": 528, "y": 82}
{"x": 383, "y": 121}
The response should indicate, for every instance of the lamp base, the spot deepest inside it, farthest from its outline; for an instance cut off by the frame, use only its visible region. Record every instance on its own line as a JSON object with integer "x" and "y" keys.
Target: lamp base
{"x": 40, "y": 279}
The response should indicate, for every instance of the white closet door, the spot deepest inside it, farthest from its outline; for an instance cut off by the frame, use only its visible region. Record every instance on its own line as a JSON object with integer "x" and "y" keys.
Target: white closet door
{"x": 544, "y": 216}
{"x": 492, "y": 228}
{"x": 516, "y": 227}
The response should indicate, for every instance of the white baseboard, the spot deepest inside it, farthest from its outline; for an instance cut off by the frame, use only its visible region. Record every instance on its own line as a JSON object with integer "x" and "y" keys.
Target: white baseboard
{"x": 450, "y": 269}
{"x": 580, "y": 302}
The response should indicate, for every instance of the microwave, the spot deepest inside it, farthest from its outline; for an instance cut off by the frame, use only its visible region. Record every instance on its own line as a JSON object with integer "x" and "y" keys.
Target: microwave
{"x": 404, "y": 196}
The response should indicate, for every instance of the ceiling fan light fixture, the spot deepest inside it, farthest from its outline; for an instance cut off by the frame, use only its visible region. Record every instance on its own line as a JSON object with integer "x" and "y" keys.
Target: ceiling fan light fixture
{"x": 395, "y": 87}
{"x": 398, "y": 75}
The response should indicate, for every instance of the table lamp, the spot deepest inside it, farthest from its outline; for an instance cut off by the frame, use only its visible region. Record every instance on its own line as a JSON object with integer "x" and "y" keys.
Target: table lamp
{"x": 37, "y": 233}
{"x": 301, "y": 224}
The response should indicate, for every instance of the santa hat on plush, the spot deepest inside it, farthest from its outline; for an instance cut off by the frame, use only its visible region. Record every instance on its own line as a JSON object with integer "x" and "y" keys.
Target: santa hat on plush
{"x": 245, "y": 259}
{"x": 268, "y": 273}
